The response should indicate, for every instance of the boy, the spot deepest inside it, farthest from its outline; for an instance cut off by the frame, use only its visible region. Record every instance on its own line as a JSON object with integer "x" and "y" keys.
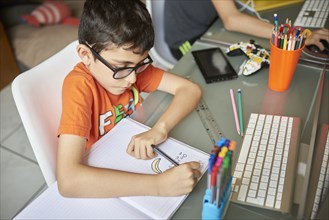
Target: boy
{"x": 114, "y": 40}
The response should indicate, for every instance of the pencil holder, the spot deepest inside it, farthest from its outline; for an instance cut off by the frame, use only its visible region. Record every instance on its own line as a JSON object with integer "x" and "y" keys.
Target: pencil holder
{"x": 211, "y": 211}
{"x": 282, "y": 67}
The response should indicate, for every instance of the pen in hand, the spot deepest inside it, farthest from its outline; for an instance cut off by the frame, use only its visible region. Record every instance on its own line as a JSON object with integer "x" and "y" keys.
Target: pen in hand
{"x": 158, "y": 151}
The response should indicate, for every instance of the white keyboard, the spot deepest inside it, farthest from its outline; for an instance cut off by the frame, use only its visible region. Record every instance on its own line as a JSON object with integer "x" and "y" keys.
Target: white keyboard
{"x": 323, "y": 180}
{"x": 313, "y": 14}
{"x": 265, "y": 171}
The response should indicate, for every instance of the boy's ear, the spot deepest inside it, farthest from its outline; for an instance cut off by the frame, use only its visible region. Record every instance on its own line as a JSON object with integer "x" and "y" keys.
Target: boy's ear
{"x": 84, "y": 54}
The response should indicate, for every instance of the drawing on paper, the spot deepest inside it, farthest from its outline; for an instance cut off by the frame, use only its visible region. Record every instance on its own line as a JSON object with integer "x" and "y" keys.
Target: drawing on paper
{"x": 155, "y": 165}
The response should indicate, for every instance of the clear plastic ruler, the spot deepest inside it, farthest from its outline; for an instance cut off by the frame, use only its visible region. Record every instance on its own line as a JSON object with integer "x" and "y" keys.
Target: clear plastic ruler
{"x": 208, "y": 121}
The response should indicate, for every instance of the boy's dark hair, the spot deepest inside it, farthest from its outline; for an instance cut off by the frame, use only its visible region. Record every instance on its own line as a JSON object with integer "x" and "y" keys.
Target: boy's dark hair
{"x": 118, "y": 23}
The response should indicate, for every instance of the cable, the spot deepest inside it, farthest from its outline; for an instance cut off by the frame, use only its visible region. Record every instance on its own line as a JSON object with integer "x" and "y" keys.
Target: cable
{"x": 251, "y": 5}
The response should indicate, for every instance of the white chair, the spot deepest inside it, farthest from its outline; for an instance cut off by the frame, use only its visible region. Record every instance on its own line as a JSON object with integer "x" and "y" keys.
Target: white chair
{"x": 38, "y": 94}
{"x": 160, "y": 52}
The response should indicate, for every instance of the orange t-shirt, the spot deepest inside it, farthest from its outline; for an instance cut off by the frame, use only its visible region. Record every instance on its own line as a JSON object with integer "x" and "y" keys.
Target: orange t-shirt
{"x": 90, "y": 111}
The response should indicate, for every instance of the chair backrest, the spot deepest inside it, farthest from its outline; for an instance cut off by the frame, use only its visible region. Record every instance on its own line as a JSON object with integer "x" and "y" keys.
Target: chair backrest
{"x": 160, "y": 52}
{"x": 38, "y": 94}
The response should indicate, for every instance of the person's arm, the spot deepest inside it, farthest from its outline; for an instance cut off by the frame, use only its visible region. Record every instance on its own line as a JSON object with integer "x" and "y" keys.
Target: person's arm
{"x": 186, "y": 96}
{"x": 78, "y": 180}
{"x": 234, "y": 20}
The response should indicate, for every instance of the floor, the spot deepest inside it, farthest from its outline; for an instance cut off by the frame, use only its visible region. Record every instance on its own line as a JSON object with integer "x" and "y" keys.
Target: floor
{"x": 21, "y": 178}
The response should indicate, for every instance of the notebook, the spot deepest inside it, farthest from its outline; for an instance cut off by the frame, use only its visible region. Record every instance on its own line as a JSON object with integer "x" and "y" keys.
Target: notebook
{"x": 110, "y": 152}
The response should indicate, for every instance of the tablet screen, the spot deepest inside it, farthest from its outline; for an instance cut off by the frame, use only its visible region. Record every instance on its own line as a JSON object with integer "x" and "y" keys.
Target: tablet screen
{"x": 213, "y": 65}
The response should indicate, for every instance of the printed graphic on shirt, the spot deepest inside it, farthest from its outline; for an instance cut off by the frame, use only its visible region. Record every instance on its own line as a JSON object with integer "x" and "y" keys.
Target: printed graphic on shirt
{"x": 135, "y": 94}
{"x": 120, "y": 111}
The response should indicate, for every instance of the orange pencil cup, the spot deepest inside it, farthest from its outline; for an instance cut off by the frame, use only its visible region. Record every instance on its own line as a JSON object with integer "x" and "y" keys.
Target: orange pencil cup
{"x": 282, "y": 67}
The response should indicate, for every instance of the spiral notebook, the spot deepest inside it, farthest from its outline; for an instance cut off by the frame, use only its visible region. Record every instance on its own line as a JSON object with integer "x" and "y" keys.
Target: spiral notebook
{"x": 110, "y": 152}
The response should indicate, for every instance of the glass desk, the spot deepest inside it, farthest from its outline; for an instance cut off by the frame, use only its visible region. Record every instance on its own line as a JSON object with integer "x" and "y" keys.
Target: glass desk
{"x": 297, "y": 101}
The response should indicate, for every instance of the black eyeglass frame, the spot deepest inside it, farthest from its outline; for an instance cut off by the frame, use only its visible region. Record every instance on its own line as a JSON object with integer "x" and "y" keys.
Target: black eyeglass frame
{"x": 116, "y": 70}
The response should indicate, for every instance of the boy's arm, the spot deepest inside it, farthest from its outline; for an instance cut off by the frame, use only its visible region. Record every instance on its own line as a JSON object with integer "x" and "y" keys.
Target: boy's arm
{"x": 186, "y": 97}
{"x": 78, "y": 180}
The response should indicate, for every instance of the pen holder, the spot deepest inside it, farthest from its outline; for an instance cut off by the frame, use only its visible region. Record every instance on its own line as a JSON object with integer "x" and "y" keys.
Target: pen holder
{"x": 282, "y": 67}
{"x": 211, "y": 211}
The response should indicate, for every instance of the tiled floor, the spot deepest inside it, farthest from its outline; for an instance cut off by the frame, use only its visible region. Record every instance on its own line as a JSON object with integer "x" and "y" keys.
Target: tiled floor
{"x": 21, "y": 178}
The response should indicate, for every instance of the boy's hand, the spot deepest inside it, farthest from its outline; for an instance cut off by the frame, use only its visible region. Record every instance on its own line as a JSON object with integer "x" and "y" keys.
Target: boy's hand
{"x": 179, "y": 180}
{"x": 140, "y": 145}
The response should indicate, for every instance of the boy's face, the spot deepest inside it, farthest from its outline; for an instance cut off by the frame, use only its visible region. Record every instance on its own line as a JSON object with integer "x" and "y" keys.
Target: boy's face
{"x": 118, "y": 57}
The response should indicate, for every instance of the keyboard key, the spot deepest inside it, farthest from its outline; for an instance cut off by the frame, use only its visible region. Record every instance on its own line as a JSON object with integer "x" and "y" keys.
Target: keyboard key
{"x": 313, "y": 14}
{"x": 256, "y": 201}
{"x": 277, "y": 204}
{"x": 245, "y": 148}
{"x": 243, "y": 192}
{"x": 269, "y": 201}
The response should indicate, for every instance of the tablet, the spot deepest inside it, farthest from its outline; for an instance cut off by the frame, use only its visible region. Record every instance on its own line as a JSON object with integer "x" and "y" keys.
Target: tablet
{"x": 214, "y": 65}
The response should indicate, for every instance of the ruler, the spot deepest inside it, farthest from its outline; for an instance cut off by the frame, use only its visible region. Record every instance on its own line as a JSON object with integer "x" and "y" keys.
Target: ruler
{"x": 208, "y": 121}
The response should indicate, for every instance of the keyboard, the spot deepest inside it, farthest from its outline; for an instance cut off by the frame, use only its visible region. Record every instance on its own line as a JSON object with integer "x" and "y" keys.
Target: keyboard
{"x": 319, "y": 180}
{"x": 313, "y": 14}
{"x": 265, "y": 170}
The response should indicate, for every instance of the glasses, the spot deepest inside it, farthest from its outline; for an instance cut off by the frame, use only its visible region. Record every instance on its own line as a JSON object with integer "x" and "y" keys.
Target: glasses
{"x": 122, "y": 72}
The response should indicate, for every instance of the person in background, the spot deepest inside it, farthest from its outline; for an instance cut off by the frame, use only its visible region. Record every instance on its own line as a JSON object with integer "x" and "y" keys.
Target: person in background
{"x": 187, "y": 21}
{"x": 114, "y": 41}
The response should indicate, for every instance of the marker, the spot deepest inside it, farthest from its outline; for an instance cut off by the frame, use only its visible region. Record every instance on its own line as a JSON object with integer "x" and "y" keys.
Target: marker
{"x": 227, "y": 143}
{"x": 232, "y": 148}
{"x": 226, "y": 166}
{"x": 240, "y": 111}
{"x": 219, "y": 185}
{"x": 158, "y": 151}
{"x": 232, "y": 145}
{"x": 221, "y": 142}
{"x": 229, "y": 155}
{"x": 212, "y": 160}
{"x": 213, "y": 184}
{"x": 214, "y": 174}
